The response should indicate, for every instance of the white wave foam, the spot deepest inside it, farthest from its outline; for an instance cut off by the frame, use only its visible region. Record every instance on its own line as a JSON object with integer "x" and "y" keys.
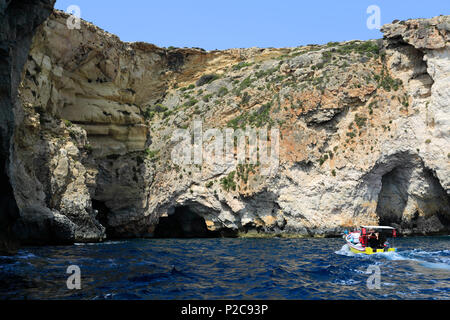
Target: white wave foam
{"x": 404, "y": 256}
{"x": 395, "y": 256}
{"x": 345, "y": 251}
{"x": 96, "y": 243}
{"x": 348, "y": 282}
{"x": 435, "y": 265}
{"x": 25, "y": 255}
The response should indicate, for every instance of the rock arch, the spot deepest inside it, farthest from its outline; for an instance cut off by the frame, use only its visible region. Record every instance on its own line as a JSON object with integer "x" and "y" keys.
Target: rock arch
{"x": 184, "y": 222}
{"x": 412, "y": 198}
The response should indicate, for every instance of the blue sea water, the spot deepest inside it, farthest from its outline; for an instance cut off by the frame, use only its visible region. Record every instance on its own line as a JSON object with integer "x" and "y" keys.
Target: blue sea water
{"x": 228, "y": 269}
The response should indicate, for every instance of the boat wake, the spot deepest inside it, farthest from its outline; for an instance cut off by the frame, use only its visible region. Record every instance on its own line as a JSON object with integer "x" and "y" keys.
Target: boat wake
{"x": 345, "y": 251}
{"x": 98, "y": 243}
{"x": 439, "y": 259}
{"x": 428, "y": 259}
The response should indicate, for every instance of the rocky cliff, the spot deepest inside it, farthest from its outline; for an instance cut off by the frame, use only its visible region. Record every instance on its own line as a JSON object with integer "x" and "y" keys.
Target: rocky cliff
{"x": 18, "y": 22}
{"x": 363, "y": 136}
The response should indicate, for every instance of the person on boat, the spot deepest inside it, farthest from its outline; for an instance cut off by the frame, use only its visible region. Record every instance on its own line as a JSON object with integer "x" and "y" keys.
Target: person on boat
{"x": 372, "y": 239}
{"x": 354, "y": 237}
{"x": 382, "y": 241}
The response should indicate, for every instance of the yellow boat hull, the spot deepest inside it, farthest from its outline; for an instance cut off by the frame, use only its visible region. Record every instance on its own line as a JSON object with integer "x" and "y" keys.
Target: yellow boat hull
{"x": 371, "y": 251}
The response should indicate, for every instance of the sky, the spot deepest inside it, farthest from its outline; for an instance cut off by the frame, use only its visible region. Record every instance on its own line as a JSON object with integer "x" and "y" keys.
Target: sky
{"x": 213, "y": 24}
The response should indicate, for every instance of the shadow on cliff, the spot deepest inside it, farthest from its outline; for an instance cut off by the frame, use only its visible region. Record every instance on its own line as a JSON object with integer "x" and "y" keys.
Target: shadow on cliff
{"x": 412, "y": 198}
{"x": 183, "y": 223}
{"x": 393, "y": 196}
{"x": 9, "y": 212}
{"x": 18, "y": 22}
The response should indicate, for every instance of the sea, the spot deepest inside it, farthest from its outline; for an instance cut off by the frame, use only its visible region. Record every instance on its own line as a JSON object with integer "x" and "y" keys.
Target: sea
{"x": 228, "y": 268}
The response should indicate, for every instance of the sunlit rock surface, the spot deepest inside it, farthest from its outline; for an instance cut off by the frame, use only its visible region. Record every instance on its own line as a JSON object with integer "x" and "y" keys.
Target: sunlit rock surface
{"x": 364, "y": 135}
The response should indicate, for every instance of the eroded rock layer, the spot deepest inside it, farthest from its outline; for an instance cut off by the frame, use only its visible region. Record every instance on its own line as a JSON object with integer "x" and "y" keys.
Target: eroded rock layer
{"x": 364, "y": 136}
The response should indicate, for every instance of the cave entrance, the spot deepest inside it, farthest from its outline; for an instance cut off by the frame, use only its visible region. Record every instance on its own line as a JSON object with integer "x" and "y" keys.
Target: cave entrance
{"x": 410, "y": 196}
{"x": 393, "y": 196}
{"x": 9, "y": 212}
{"x": 102, "y": 215}
{"x": 183, "y": 223}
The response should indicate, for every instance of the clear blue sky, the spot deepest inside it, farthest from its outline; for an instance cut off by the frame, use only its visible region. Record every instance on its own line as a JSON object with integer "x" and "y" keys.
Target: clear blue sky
{"x": 213, "y": 24}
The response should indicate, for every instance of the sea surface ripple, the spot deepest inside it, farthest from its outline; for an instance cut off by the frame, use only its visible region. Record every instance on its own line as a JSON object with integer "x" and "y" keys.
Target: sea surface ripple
{"x": 228, "y": 269}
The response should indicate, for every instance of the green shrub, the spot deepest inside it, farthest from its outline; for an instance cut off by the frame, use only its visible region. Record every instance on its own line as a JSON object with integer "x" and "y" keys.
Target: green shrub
{"x": 360, "y": 120}
{"x": 150, "y": 112}
{"x": 332, "y": 44}
{"x": 241, "y": 65}
{"x": 351, "y": 134}
{"x": 222, "y": 91}
{"x": 167, "y": 114}
{"x": 243, "y": 171}
{"x": 256, "y": 119}
{"x": 245, "y": 98}
{"x": 371, "y": 105}
{"x": 263, "y": 73}
{"x": 88, "y": 148}
{"x": 207, "y": 97}
{"x": 151, "y": 154}
{"x": 405, "y": 101}
{"x": 191, "y": 102}
{"x": 323, "y": 159}
{"x": 245, "y": 84}
{"x": 359, "y": 47}
{"x": 207, "y": 78}
{"x": 228, "y": 182}
{"x": 386, "y": 82}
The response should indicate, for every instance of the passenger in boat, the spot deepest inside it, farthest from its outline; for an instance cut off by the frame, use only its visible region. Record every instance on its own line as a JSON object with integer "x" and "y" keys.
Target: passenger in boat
{"x": 354, "y": 238}
{"x": 382, "y": 241}
{"x": 379, "y": 243}
{"x": 373, "y": 239}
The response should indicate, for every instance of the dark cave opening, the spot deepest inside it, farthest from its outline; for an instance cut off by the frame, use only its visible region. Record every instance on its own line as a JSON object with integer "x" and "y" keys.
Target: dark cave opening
{"x": 9, "y": 212}
{"x": 393, "y": 196}
{"x": 430, "y": 200}
{"x": 441, "y": 197}
{"x": 183, "y": 223}
{"x": 102, "y": 214}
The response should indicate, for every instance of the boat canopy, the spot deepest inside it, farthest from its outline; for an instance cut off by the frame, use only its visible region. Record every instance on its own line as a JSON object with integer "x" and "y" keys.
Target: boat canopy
{"x": 378, "y": 227}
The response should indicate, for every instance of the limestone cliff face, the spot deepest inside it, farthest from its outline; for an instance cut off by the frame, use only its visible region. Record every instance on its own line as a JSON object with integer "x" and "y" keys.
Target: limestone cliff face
{"x": 364, "y": 136}
{"x": 18, "y": 22}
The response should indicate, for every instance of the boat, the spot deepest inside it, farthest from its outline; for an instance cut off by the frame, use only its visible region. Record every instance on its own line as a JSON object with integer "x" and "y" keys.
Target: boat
{"x": 371, "y": 239}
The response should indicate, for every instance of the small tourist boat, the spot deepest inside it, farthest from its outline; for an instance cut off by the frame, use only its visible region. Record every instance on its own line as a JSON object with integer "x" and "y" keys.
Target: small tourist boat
{"x": 371, "y": 239}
